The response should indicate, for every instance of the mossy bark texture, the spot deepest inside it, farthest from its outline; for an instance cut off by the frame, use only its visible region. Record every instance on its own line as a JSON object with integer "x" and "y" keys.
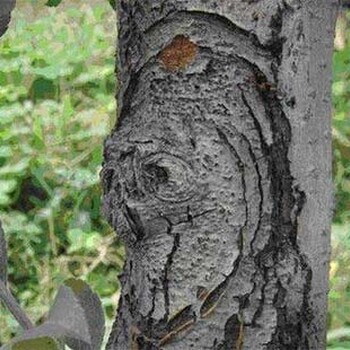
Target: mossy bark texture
{"x": 217, "y": 175}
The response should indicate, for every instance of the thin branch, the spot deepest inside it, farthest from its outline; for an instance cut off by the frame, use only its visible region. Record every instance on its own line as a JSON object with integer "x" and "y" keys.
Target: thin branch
{"x": 5, "y": 295}
{"x": 3, "y": 256}
{"x": 14, "y": 307}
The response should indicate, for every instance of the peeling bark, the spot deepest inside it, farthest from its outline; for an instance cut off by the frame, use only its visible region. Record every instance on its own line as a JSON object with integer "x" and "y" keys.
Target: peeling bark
{"x": 217, "y": 175}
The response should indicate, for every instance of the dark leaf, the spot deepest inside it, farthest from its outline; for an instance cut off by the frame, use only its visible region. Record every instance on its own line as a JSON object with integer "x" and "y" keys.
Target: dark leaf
{"x": 53, "y": 3}
{"x": 93, "y": 312}
{"x": 76, "y": 319}
{"x": 44, "y": 343}
{"x": 113, "y": 4}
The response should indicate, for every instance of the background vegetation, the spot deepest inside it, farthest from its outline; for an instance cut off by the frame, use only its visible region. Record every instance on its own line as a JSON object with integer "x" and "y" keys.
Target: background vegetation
{"x": 56, "y": 106}
{"x": 339, "y": 296}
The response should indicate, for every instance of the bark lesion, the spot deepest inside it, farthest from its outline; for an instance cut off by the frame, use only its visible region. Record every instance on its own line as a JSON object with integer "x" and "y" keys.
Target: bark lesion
{"x": 178, "y": 54}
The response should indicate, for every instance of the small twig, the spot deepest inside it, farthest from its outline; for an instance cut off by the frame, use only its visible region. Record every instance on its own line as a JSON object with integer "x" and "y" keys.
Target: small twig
{"x": 3, "y": 256}
{"x": 5, "y": 295}
{"x": 11, "y": 303}
{"x": 102, "y": 253}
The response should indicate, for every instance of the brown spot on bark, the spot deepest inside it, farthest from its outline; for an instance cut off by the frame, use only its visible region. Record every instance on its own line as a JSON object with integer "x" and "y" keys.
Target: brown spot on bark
{"x": 178, "y": 54}
{"x": 240, "y": 340}
{"x": 202, "y": 293}
{"x": 171, "y": 335}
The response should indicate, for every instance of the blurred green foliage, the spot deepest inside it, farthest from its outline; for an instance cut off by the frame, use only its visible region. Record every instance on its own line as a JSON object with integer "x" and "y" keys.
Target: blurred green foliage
{"x": 56, "y": 106}
{"x": 57, "y": 88}
{"x": 339, "y": 296}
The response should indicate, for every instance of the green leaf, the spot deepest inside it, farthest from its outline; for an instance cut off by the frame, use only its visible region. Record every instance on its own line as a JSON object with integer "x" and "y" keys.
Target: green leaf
{"x": 339, "y": 333}
{"x": 39, "y": 343}
{"x": 45, "y": 343}
{"x": 113, "y": 4}
{"x": 5, "y": 151}
{"x": 17, "y": 168}
{"x": 6, "y": 187}
{"x": 53, "y": 3}
{"x": 38, "y": 133}
{"x": 80, "y": 240}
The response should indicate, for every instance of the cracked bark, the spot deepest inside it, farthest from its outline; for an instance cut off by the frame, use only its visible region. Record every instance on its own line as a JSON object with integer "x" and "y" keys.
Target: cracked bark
{"x": 218, "y": 173}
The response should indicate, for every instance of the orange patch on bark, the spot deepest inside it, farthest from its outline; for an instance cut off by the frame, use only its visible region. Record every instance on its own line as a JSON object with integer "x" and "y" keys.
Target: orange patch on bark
{"x": 178, "y": 54}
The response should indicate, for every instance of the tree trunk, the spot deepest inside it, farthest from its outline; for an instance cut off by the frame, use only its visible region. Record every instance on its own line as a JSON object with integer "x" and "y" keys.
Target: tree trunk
{"x": 218, "y": 173}
{"x": 6, "y": 6}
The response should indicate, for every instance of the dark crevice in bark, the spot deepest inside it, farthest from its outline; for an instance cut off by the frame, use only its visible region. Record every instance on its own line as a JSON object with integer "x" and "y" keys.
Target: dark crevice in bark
{"x": 148, "y": 330}
{"x": 241, "y": 167}
{"x": 134, "y": 221}
{"x": 166, "y": 274}
{"x": 233, "y": 329}
{"x": 128, "y": 98}
{"x": 265, "y": 152}
{"x": 190, "y": 217}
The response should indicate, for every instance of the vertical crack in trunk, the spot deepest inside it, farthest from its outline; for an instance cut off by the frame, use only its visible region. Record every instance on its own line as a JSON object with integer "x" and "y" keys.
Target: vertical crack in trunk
{"x": 166, "y": 274}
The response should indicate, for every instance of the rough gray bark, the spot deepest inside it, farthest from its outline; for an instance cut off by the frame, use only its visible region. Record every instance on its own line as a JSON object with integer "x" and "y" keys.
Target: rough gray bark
{"x": 6, "y": 6}
{"x": 218, "y": 173}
